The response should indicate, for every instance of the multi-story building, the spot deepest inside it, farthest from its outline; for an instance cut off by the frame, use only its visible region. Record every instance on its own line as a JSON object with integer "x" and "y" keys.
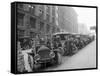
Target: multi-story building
{"x": 67, "y": 19}
{"x": 33, "y": 19}
{"x": 83, "y": 29}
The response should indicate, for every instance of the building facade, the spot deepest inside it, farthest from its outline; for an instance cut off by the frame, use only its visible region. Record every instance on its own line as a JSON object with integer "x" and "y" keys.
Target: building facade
{"x": 83, "y": 29}
{"x": 33, "y": 19}
{"x": 67, "y": 19}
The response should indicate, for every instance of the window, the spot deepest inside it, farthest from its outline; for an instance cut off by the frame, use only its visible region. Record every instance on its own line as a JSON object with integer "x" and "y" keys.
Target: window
{"x": 53, "y": 29}
{"x": 33, "y": 22}
{"x": 32, "y": 8}
{"x": 48, "y": 17}
{"x": 20, "y": 5}
{"x": 53, "y": 11}
{"x": 32, "y": 34}
{"x": 48, "y": 9}
{"x": 41, "y": 26}
{"x": 41, "y": 7}
{"x": 26, "y": 7}
{"x": 47, "y": 28}
{"x": 41, "y": 11}
{"x": 21, "y": 33}
{"x": 20, "y": 19}
{"x": 53, "y": 19}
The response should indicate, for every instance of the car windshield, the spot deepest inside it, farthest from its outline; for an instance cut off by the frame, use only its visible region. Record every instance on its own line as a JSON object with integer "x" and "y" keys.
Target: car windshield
{"x": 62, "y": 36}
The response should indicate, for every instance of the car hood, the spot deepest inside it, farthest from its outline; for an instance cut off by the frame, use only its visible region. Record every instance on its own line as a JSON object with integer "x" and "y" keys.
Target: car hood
{"x": 44, "y": 52}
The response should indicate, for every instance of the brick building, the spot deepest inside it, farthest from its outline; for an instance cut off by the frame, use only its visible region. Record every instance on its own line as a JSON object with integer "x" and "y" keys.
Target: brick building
{"x": 33, "y": 19}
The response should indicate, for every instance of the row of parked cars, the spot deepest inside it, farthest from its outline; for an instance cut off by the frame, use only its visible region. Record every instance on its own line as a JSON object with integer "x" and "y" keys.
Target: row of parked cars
{"x": 74, "y": 42}
{"x": 41, "y": 56}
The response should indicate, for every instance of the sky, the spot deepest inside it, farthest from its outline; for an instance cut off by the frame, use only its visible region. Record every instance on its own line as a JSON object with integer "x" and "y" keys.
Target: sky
{"x": 86, "y": 15}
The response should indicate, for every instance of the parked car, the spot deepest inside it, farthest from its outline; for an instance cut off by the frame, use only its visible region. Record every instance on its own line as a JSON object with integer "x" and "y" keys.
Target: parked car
{"x": 91, "y": 37}
{"x": 63, "y": 36}
{"x": 45, "y": 56}
{"x": 70, "y": 47}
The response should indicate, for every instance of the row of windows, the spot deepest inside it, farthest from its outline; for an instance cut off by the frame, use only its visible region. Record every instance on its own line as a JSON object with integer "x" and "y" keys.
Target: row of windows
{"x": 31, "y": 9}
{"x": 28, "y": 8}
{"x": 21, "y": 33}
{"x": 48, "y": 13}
{"x": 20, "y": 20}
{"x": 48, "y": 28}
{"x": 32, "y": 22}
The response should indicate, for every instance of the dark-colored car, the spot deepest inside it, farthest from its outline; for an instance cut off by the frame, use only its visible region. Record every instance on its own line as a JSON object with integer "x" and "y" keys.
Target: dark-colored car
{"x": 46, "y": 56}
{"x": 91, "y": 37}
{"x": 70, "y": 47}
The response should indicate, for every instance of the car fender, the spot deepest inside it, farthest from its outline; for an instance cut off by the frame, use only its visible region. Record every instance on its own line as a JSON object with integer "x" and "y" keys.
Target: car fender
{"x": 59, "y": 50}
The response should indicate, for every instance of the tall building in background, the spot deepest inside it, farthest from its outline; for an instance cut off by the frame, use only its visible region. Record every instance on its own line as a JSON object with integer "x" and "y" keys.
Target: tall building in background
{"x": 36, "y": 19}
{"x": 83, "y": 29}
{"x": 67, "y": 19}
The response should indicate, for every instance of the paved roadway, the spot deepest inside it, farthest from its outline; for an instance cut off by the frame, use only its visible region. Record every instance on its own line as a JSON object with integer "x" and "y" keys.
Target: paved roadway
{"x": 85, "y": 58}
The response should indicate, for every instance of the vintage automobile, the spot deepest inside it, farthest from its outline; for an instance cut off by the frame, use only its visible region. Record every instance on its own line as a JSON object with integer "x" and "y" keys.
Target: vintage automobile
{"x": 79, "y": 41}
{"x": 46, "y": 56}
{"x": 70, "y": 48}
{"x": 63, "y": 36}
{"x": 39, "y": 56}
{"x": 91, "y": 37}
{"x": 85, "y": 39}
{"x": 67, "y": 40}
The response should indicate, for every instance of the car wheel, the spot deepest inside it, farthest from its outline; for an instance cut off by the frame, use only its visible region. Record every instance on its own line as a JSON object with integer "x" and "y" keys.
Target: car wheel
{"x": 75, "y": 50}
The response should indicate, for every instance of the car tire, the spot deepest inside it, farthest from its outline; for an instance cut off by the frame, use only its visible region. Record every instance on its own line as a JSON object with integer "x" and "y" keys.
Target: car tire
{"x": 75, "y": 50}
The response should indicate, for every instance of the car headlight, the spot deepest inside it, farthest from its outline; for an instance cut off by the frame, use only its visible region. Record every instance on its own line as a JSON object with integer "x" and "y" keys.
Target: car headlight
{"x": 37, "y": 57}
{"x": 52, "y": 54}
